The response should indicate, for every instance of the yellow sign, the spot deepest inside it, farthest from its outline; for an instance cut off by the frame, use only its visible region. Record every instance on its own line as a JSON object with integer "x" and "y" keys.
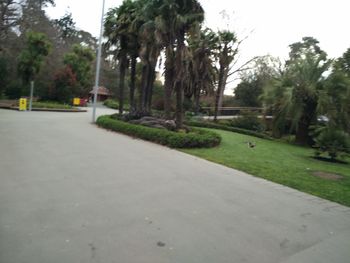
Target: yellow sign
{"x": 22, "y": 104}
{"x": 76, "y": 101}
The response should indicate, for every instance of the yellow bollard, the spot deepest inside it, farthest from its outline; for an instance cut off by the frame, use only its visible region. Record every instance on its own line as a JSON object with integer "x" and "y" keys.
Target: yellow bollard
{"x": 76, "y": 101}
{"x": 22, "y": 104}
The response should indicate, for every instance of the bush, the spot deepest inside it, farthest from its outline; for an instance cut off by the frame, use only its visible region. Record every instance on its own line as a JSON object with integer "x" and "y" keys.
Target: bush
{"x": 197, "y": 138}
{"x": 333, "y": 142}
{"x": 113, "y": 104}
{"x": 65, "y": 86}
{"x": 249, "y": 121}
{"x": 207, "y": 124}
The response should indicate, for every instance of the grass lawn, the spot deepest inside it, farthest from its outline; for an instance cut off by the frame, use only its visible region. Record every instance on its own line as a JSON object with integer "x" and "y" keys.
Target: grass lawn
{"x": 282, "y": 163}
{"x": 51, "y": 105}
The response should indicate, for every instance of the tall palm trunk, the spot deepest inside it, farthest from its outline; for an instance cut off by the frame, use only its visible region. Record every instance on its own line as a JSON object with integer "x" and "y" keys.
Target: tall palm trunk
{"x": 132, "y": 85}
{"x": 219, "y": 91}
{"x": 179, "y": 104}
{"x": 150, "y": 82}
{"x": 197, "y": 94}
{"x": 122, "y": 68}
{"x": 169, "y": 80}
{"x": 144, "y": 86}
{"x": 302, "y": 135}
{"x": 179, "y": 89}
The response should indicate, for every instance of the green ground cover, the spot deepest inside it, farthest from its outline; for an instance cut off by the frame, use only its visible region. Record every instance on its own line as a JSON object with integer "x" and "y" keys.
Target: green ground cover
{"x": 282, "y": 163}
{"x": 50, "y": 105}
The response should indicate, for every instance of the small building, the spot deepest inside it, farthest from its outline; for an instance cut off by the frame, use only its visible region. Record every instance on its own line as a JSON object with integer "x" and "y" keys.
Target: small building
{"x": 102, "y": 94}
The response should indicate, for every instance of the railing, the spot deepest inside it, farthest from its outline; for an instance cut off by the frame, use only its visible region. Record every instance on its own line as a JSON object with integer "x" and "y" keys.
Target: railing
{"x": 227, "y": 111}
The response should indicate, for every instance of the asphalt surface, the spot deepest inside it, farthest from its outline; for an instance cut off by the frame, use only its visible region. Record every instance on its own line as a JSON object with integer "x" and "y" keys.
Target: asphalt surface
{"x": 71, "y": 192}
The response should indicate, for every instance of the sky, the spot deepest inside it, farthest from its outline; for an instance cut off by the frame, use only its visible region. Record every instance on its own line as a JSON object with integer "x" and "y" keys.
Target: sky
{"x": 269, "y": 25}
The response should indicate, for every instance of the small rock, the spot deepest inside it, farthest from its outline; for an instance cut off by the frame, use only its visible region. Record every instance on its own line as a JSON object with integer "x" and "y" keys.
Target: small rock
{"x": 160, "y": 244}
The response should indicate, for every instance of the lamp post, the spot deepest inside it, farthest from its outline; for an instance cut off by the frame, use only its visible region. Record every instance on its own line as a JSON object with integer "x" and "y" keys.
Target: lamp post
{"x": 98, "y": 66}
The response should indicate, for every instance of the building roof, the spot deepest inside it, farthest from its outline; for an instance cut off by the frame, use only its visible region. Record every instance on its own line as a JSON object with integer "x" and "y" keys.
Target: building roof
{"x": 101, "y": 91}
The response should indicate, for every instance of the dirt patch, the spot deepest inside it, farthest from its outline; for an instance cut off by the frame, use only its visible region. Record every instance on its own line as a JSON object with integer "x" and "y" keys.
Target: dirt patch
{"x": 328, "y": 176}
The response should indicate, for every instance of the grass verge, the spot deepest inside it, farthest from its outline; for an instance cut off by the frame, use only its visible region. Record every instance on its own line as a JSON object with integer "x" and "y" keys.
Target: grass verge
{"x": 50, "y": 105}
{"x": 209, "y": 124}
{"x": 282, "y": 163}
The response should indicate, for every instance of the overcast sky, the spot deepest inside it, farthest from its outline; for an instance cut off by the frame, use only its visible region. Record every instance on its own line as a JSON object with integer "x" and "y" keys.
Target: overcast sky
{"x": 271, "y": 25}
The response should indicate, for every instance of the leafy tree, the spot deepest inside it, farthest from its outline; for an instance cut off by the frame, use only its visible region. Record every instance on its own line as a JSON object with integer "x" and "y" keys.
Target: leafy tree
{"x": 228, "y": 48}
{"x": 343, "y": 63}
{"x": 67, "y": 26}
{"x": 250, "y": 89}
{"x": 32, "y": 58}
{"x": 9, "y": 17}
{"x": 3, "y": 74}
{"x": 80, "y": 61}
{"x": 64, "y": 85}
{"x": 335, "y": 99}
{"x": 297, "y": 94}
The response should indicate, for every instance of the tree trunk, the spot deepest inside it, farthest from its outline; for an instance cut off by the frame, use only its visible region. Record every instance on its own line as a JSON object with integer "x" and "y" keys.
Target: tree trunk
{"x": 122, "y": 84}
{"x": 222, "y": 91}
{"x": 219, "y": 91}
{"x": 143, "y": 98}
{"x": 179, "y": 104}
{"x": 196, "y": 100}
{"x": 150, "y": 82}
{"x": 169, "y": 81}
{"x": 132, "y": 85}
{"x": 302, "y": 133}
{"x": 302, "y": 136}
{"x": 180, "y": 70}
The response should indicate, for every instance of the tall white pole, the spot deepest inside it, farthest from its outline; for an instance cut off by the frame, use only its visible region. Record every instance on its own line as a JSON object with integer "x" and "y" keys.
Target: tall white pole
{"x": 98, "y": 66}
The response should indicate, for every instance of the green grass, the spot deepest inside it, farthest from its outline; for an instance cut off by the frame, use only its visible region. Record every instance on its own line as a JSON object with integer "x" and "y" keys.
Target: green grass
{"x": 281, "y": 163}
{"x": 51, "y": 105}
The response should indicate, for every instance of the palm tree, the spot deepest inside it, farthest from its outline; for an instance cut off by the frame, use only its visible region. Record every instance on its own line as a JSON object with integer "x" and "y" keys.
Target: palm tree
{"x": 202, "y": 65}
{"x": 188, "y": 14}
{"x": 116, "y": 26}
{"x": 297, "y": 95}
{"x": 226, "y": 55}
{"x": 121, "y": 28}
{"x": 149, "y": 53}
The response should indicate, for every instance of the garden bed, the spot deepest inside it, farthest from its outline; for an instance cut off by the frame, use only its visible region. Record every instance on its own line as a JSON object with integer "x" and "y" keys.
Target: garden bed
{"x": 196, "y": 138}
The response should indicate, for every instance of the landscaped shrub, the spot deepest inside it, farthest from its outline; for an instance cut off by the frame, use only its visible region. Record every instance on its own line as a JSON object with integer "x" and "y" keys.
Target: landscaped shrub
{"x": 333, "y": 142}
{"x": 248, "y": 121}
{"x": 197, "y": 138}
{"x": 113, "y": 104}
{"x": 207, "y": 124}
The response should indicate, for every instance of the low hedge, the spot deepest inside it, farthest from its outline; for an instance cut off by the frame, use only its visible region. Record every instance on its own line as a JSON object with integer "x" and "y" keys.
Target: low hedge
{"x": 51, "y": 105}
{"x": 113, "y": 104}
{"x": 206, "y": 124}
{"x": 197, "y": 138}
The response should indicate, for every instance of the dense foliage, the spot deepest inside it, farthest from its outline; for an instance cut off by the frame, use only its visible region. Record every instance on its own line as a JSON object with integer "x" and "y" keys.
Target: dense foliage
{"x": 332, "y": 142}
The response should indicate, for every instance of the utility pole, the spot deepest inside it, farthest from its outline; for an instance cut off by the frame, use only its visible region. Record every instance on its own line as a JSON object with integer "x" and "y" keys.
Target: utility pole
{"x": 98, "y": 66}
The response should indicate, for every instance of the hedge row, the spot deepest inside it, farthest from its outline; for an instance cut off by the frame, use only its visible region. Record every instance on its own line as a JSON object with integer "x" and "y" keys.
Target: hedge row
{"x": 195, "y": 139}
{"x": 206, "y": 124}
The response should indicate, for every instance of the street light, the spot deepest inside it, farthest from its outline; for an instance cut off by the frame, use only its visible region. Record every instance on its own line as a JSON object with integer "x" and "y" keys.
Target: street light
{"x": 98, "y": 66}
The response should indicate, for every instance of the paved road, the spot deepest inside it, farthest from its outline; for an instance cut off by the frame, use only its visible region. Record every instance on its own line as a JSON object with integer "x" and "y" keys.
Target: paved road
{"x": 71, "y": 192}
